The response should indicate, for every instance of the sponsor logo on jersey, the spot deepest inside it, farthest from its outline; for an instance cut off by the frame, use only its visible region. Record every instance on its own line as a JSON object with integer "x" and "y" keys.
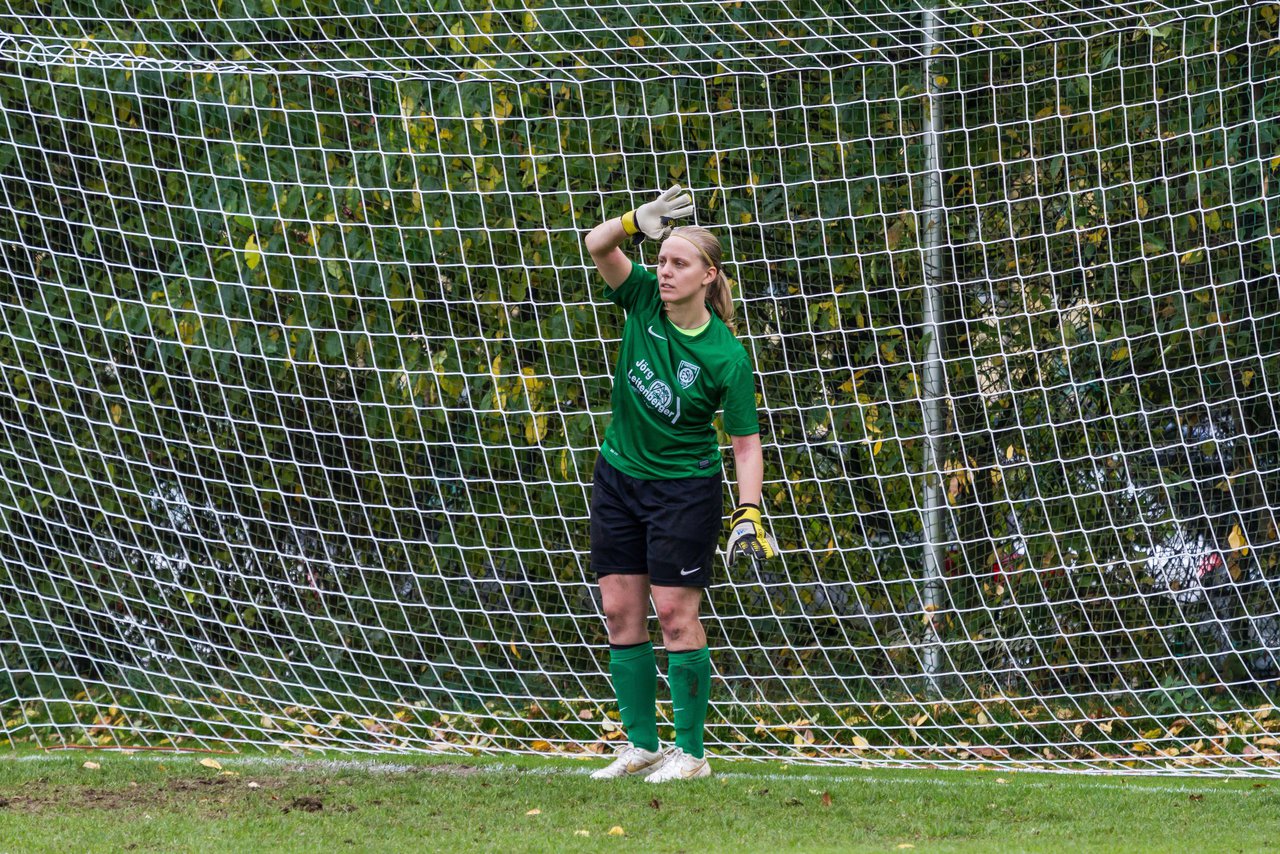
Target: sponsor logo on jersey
{"x": 656, "y": 393}
{"x": 687, "y": 374}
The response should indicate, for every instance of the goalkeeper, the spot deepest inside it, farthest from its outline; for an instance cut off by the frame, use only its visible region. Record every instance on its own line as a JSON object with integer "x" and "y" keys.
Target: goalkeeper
{"x": 657, "y": 495}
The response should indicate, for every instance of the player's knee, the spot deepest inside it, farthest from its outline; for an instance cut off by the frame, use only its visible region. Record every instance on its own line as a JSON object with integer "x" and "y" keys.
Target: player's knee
{"x": 622, "y": 618}
{"x": 668, "y": 614}
{"x": 675, "y": 622}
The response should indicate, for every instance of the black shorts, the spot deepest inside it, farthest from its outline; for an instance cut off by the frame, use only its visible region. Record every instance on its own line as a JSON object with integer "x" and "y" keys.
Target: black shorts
{"x": 667, "y": 529}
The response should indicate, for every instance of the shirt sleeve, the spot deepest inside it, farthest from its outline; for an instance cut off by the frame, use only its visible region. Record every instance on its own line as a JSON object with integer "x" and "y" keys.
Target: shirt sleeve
{"x": 639, "y": 284}
{"x": 739, "y": 396}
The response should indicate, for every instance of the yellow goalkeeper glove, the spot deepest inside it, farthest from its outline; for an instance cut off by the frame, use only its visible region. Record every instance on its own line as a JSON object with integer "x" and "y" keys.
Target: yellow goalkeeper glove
{"x": 748, "y": 536}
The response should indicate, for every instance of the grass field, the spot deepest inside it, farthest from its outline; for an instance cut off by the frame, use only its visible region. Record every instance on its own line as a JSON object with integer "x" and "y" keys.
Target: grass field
{"x": 149, "y": 802}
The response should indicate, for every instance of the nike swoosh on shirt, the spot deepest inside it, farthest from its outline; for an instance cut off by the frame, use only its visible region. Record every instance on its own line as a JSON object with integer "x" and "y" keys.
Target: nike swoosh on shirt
{"x": 656, "y": 335}
{"x": 690, "y": 571}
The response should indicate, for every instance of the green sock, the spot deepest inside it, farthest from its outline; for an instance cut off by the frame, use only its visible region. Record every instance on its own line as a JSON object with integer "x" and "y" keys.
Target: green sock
{"x": 689, "y": 674}
{"x": 635, "y": 682}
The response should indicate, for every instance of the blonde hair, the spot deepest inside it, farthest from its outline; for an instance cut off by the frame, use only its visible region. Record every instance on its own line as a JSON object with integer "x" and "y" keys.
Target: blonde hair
{"x": 719, "y": 293}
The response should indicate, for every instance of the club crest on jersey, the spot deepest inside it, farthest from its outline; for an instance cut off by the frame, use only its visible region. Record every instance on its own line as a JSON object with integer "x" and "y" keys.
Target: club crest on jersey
{"x": 687, "y": 374}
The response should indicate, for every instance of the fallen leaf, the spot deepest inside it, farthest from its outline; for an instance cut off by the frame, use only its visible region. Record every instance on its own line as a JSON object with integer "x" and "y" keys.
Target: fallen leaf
{"x": 534, "y": 811}
{"x": 1197, "y": 797}
{"x": 617, "y": 830}
{"x": 826, "y": 799}
{"x": 211, "y": 763}
{"x": 905, "y": 845}
{"x": 582, "y": 833}
{"x": 1237, "y": 540}
{"x": 655, "y": 803}
{"x": 1001, "y": 780}
{"x": 92, "y": 766}
{"x": 253, "y": 785}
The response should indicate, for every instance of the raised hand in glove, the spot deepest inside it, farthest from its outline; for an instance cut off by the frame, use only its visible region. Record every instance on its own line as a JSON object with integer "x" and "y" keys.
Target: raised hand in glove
{"x": 748, "y": 536}
{"x": 653, "y": 219}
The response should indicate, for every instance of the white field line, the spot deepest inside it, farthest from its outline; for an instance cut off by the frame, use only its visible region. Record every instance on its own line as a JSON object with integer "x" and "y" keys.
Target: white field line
{"x": 985, "y": 778}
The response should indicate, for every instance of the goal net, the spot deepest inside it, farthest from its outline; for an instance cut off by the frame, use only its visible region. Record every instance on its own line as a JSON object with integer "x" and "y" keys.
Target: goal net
{"x": 304, "y": 368}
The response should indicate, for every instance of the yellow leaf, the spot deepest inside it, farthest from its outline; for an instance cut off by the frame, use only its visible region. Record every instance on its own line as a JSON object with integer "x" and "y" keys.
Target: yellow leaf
{"x": 1246, "y": 378}
{"x": 941, "y": 81}
{"x": 887, "y": 351}
{"x": 116, "y": 412}
{"x": 251, "y": 254}
{"x": 92, "y": 766}
{"x": 534, "y": 812}
{"x": 582, "y": 833}
{"x": 535, "y": 428}
{"x": 1143, "y": 207}
{"x": 860, "y": 743}
{"x": 1120, "y": 354}
{"x": 617, "y": 830}
{"x": 541, "y": 746}
{"x": 876, "y": 449}
{"x": 636, "y": 41}
{"x": 1237, "y": 541}
{"x": 211, "y": 763}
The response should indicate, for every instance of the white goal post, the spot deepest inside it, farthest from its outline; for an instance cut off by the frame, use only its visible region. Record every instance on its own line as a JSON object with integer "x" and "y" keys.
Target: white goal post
{"x": 304, "y": 367}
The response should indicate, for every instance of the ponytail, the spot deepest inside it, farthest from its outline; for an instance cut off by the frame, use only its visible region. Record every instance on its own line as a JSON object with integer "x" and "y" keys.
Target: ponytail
{"x": 720, "y": 296}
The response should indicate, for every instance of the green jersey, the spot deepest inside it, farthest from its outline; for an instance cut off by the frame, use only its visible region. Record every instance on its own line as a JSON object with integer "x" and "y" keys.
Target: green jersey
{"x": 668, "y": 387}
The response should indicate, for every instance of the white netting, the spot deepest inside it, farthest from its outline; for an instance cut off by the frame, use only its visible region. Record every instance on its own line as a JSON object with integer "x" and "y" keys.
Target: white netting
{"x": 305, "y": 368}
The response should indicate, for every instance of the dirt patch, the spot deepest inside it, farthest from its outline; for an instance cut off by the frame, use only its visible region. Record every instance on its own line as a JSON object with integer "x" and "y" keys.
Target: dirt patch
{"x": 216, "y": 794}
{"x": 207, "y": 794}
{"x": 64, "y": 798}
{"x": 306, "y": 803}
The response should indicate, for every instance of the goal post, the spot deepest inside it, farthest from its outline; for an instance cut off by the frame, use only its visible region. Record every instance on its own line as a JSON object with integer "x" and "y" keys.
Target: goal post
{"x": 305, "y": 369}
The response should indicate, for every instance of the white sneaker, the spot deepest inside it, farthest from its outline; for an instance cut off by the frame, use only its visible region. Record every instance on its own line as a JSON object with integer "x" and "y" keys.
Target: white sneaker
{"x": 632, "y": 761}
{"x": 679, "y": 765}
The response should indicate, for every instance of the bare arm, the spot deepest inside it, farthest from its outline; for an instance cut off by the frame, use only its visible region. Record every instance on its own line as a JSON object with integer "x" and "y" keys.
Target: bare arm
{"x": 748, "y": 463}
{"x": 611, "y": 261}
